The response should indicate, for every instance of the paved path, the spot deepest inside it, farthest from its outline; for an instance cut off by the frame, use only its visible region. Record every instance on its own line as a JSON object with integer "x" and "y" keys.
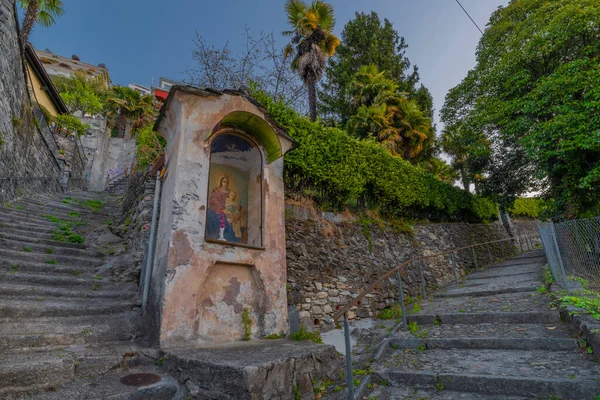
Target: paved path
{"x": 492, "y": 336}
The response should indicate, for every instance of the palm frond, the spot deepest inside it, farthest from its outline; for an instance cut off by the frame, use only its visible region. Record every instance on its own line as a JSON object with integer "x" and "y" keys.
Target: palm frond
{"x": 325, "y": 14}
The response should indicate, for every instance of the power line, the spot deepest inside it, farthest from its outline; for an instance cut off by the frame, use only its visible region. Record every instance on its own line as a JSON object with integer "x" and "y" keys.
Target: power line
{"x": 474, "y": 23}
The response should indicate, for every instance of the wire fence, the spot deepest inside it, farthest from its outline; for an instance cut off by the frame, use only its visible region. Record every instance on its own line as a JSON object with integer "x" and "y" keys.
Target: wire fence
{"x": 573, "y": 253}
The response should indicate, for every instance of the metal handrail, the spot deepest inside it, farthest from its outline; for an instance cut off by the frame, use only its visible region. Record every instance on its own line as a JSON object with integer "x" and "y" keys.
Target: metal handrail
{"x": 343, "y": 312}
{"x": 399, "y": 268}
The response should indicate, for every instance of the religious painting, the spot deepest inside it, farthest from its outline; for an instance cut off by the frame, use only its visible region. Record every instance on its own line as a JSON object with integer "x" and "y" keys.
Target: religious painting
{"x": 227, "y": 217}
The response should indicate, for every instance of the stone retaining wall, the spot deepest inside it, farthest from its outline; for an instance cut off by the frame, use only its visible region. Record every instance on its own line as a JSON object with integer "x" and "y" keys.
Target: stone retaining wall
{"x": 28, "y": 163}
{"x": 330, "y": 263}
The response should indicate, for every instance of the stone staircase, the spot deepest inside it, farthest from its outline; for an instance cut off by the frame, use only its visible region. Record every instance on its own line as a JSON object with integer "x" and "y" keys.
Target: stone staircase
{"x": 117, "y": 185}
{"x": 64, "y": 325}
{"x": 492, "y": 336}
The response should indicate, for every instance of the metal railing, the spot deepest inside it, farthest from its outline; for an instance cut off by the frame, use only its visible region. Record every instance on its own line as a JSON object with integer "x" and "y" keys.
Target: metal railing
{"x": 508, "y": 247}
{"x": 573, "y": 253}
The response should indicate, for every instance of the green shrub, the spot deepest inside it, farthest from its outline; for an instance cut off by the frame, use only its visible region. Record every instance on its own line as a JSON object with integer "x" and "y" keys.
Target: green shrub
{"x": 393, "y": 312}
{"x": 528, "y": 207}
{"x": 337, "y": 170}
{"x": 303, "y": 334}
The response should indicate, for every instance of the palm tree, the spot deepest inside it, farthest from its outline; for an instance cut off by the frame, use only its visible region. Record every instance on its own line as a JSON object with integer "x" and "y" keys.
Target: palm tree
{"x": 312, "y": 41}
{"x": 44, "y": 12}
{"x": 453, "y": 143}
{"x": 128, "y": 104}
{"x": 381, "y": 111}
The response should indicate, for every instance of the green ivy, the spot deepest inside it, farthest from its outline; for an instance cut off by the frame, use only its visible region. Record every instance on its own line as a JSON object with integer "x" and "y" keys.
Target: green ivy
{"x": 335, "y": 170}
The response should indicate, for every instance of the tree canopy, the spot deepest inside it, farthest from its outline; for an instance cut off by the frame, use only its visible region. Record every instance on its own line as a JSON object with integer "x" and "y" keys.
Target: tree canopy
{"x": 368, "y": 40}
{"x": 534, "y": 94}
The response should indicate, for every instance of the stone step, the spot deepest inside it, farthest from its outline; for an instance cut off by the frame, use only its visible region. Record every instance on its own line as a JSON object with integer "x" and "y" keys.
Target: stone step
{"x": 37, "y": 279}
{"x": 27, "y": 222}
{"x": 25, "y": 337}
{"x": 57, "y": 249}
{"x": 490, "y": 343}
{"x": 535, "y": 317}
{"x": 35, "y": 371}
{"x": 537, "y": 374}
{"x": 11, "y": 290}
{"x": 48, "y": 206}
{"x": 43, "y": 257}
{"x": 14, "y": 266}
{"x": 495, "y": 330}
{"x": 109, "y": 386}
{"x": 479, "y": 291}
{"x": 40, "y": 232}
{"x": 382, "y": 392}
{"x": 10, "y": 308}
{"x": 68, "y": 324}
{"x": 41, "y": 240}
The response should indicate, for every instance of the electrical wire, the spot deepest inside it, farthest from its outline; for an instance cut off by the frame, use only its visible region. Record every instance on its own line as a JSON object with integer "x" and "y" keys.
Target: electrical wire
{"x": 474, "y": 23}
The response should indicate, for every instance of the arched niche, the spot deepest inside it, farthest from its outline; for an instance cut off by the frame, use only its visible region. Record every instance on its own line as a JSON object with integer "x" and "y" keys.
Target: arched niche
{"x": 255, "y": 126}
{"x": 235, "y": 192}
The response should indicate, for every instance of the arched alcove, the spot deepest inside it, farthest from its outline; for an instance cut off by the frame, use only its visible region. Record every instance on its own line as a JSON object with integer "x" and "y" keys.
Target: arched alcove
{"x": 235, "y": 200}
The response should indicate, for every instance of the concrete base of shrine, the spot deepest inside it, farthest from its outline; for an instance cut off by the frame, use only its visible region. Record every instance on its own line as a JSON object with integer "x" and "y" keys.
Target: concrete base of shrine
{"x": 262, "y": 369}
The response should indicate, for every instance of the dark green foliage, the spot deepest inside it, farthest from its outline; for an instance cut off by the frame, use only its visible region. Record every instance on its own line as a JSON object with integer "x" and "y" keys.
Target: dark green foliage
{"x": 534, "y": 94}
{"x": 368, "y": 40}
{"x": 337, "y": 170}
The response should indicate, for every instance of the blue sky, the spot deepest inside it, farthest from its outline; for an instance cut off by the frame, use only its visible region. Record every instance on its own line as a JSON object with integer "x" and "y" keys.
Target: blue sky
{"x": 141, "y": 40}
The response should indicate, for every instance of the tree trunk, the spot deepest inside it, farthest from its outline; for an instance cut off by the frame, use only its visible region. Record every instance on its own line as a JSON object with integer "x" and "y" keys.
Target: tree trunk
{"x": 465, "y": 178}
{"x": 312, "y": 99}
{"x": 506, "y": 222}
{"x": 29, "y": 20}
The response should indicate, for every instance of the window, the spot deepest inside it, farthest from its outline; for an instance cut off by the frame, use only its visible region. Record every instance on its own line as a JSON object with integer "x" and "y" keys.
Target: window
{"x": 234, "y": 212}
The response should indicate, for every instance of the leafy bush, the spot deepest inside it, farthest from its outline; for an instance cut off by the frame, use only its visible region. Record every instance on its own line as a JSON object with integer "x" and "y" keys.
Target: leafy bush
{"x": 303, "y": 334}
{"x": 150, "y": 146}
{"x": 532, "y": 207}
{"x": 337, "y": 170}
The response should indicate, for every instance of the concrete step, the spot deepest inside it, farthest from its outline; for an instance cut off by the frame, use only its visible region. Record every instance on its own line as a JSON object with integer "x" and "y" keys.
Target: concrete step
{"x": 537, "y": 374}
{"x": 57, "y": 249}
{"x": 10, "y": 308}
{"x": 539, "y": 317}
{"x": 43, "y": 257}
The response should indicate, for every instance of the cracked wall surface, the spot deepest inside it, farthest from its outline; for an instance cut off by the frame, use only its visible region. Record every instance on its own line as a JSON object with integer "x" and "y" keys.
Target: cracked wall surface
{"x": 200, "y": 289}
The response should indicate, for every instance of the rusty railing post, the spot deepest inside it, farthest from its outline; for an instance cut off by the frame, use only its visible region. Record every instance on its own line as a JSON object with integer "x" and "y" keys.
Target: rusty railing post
{"x": 453, "y": 261}
{"x": 348, "y": 358}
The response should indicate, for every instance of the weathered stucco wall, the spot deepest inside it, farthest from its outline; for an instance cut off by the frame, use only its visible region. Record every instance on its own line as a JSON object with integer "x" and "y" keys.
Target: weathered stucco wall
{"x": 28, "y": 154}
{"x": 329, "y": 263}
{"x": 200, "y": 289}
{"x": 95, "y": 145}
{"x": 107, "y": 157}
